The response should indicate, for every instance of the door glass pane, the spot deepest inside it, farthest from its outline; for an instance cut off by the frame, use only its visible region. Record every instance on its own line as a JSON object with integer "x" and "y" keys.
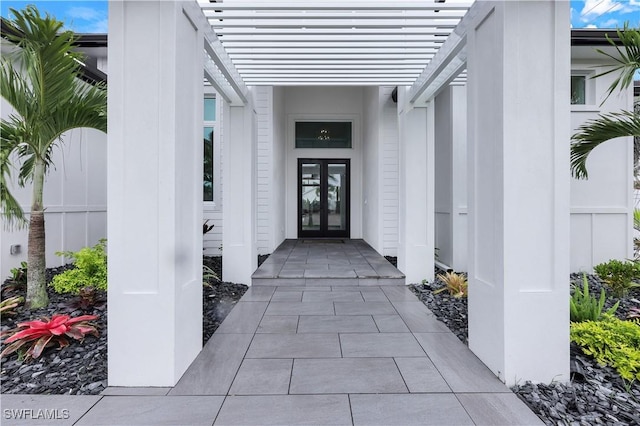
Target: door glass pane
{"x": 310, "y": 199}
{"x": 336, "y": 198}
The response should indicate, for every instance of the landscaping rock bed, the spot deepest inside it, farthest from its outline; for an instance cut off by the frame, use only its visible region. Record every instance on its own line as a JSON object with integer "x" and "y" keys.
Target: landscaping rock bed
{"x": 81, "y": 368}
{"x": 596, "y": 395}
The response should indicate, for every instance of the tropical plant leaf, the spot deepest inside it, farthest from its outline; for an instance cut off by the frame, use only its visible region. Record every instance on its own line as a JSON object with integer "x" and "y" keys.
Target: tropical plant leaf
{"x": 627, "y": 62}
{"x": 592, "y": 133}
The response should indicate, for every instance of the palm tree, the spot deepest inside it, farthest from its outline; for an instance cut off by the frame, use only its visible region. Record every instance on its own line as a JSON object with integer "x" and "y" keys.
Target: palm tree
{"x": 40, "y": 81}
{"x": 611, "y": 125}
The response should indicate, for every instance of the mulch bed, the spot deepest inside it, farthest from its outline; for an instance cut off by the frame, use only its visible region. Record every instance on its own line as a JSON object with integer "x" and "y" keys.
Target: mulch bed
{"x": 596, "y": 395}
{"x": 81, "y": 368}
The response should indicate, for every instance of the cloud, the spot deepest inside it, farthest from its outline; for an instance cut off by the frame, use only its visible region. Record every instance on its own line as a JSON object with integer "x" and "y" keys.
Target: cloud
{"x": 610, "y": 23}
{"x": 594, "y": 8}
{"x": 591, "y": 26}
{"x": 87, "y": 19}
{"x": 83, "y": 13}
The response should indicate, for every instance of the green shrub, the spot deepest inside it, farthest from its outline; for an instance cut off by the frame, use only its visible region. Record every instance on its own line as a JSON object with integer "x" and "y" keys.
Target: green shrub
{"x": 612, "y": 342}
{"x": 619, "y": 275}
{"x": 90, "y": 270}
{"x": 585, "y": 307}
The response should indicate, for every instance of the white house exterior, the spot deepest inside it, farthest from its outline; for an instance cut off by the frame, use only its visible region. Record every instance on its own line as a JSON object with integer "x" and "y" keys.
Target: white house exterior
{"x": 469, "y": 157}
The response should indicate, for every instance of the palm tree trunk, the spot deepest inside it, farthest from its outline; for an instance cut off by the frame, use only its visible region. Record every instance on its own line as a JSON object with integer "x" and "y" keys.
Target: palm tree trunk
{"x": 36, "y": 261}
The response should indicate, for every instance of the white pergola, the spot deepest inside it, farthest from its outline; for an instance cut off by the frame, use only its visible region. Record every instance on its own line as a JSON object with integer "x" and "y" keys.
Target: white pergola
{"x": 515, "y": 59}
{"x": 333, "y": 42}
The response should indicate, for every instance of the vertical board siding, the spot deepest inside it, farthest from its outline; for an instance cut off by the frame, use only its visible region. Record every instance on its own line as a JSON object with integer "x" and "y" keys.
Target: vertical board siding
{"x": 264, "y": 113}
{"x": 390, "y": 170}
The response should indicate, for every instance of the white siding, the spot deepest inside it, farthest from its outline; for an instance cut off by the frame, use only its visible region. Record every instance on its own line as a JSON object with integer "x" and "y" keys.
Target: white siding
{"x": 75, "y": 199}
{"x": 264, "y": 107}
{"x": 390, "y": 172}
{"x": 602, "y": 206}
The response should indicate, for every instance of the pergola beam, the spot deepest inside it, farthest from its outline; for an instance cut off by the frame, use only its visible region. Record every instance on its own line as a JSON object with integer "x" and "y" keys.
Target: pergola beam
{"x": 450, "y": 60}
{"x": 377, "y": 41}
{"x": 306, "y": 15}
{"x": 334, "y": 5}
{"x": 228, "y": 79}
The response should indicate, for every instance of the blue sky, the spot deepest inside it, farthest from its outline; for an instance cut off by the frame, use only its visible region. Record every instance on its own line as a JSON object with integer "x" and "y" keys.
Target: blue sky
{"x": 91, "y": 16}
{"x": 79, "y": 16}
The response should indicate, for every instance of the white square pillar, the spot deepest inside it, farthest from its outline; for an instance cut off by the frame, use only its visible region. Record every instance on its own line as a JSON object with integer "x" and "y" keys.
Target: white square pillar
{"x": 518, "y": 91}
{"x": 239, "y": 254}
{"x": 155, "y": 161}
{"x": 416, "y": 212}
{"x": 450, "y": 118}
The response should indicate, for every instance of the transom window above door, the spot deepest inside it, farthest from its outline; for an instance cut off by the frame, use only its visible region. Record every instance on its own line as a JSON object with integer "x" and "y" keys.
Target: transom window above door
{"x": 323, "y": 134}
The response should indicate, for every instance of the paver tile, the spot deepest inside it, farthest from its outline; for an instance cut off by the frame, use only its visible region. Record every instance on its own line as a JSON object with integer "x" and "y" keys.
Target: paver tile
{"x": 346, "y": 375}
{"x": 140, "y": 391}
{"x": 374, "y": 295}
{"x": 462, "y": 370}
{"x": 319, "y": 273}
{"x": 262, "y": 377}
{"x": 332, "y": 296}
{"x": 380, "y": 345}
{"x": 300, "y": 308}
{"x": 285, "y": 410}
{"x": 399, "y": 293}
{"x": 243, "y": 318}
{"x": 498, "y": 409}
{"x": 294, "y": 346}
{"x": 291, "y": 273}
{"x": 337, "y": 324}
{"x": 418, "y": 318}
{"x": 421, "y": 375}
{"x": 333, "y": 282}
{"x": 287, "y": 296}
{"x": 213, "y": 370}
{"x": 364, "y": 308}
{"x": 65, "y": 409}
{"x": 390, "y": 324}
{"x": 258, "y": 294}
{"x": 278, "y": 324}
{"x": 153, "y": 410}
{"x": 407, "y": 410}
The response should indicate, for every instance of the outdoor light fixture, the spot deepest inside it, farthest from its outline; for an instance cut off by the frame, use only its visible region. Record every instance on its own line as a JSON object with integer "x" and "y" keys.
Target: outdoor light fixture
{"x": 324, "y": 135}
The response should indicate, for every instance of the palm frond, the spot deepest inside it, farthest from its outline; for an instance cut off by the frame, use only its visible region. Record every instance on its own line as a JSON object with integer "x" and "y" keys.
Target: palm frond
{"x": 10, "y": 210}
{"x": 593, "y": 132}
{"x": 626, "y": 62}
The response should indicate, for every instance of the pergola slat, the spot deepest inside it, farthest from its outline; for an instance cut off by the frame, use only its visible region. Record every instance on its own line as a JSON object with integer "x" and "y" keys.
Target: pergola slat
{"x": 333, "y": 41}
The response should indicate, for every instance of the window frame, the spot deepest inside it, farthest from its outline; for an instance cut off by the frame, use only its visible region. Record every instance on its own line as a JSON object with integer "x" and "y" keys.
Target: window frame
{"x": 215, "y": 204}
{"x": 589, "y": 90}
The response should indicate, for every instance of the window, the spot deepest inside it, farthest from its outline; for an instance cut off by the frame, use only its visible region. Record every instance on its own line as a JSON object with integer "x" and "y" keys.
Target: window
{"x": 209, "y": 130}
{"x": 323, "y": 134}
{"x": 578, "y": 89}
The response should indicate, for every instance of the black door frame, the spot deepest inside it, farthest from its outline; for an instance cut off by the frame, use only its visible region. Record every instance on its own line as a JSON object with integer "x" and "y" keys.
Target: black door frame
{"x": 324, "y": 232}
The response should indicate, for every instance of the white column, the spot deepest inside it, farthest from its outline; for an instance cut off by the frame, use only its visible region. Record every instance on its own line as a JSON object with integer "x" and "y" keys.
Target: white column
{"x": 154, "y": 193}
{"x": 518, "y": 88}
{"x": 416, "y": 218}
{"x": 451, "y": 176}
{"x": 239, "y": 255}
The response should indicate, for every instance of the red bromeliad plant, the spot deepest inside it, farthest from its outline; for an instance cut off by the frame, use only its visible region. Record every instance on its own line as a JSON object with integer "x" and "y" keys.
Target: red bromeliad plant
{"x": 45, "y": 332}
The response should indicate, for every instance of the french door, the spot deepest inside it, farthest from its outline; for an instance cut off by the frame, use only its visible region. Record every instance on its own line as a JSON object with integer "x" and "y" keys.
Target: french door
{"x": 323, "y": 198}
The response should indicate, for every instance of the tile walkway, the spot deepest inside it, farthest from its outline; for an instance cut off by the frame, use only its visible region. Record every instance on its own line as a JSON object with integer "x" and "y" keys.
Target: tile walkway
{"x": 321, "y": 354}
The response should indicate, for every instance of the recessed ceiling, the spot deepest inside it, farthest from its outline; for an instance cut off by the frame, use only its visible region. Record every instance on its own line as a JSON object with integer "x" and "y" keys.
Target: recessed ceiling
{"x": 332, "y": 42}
